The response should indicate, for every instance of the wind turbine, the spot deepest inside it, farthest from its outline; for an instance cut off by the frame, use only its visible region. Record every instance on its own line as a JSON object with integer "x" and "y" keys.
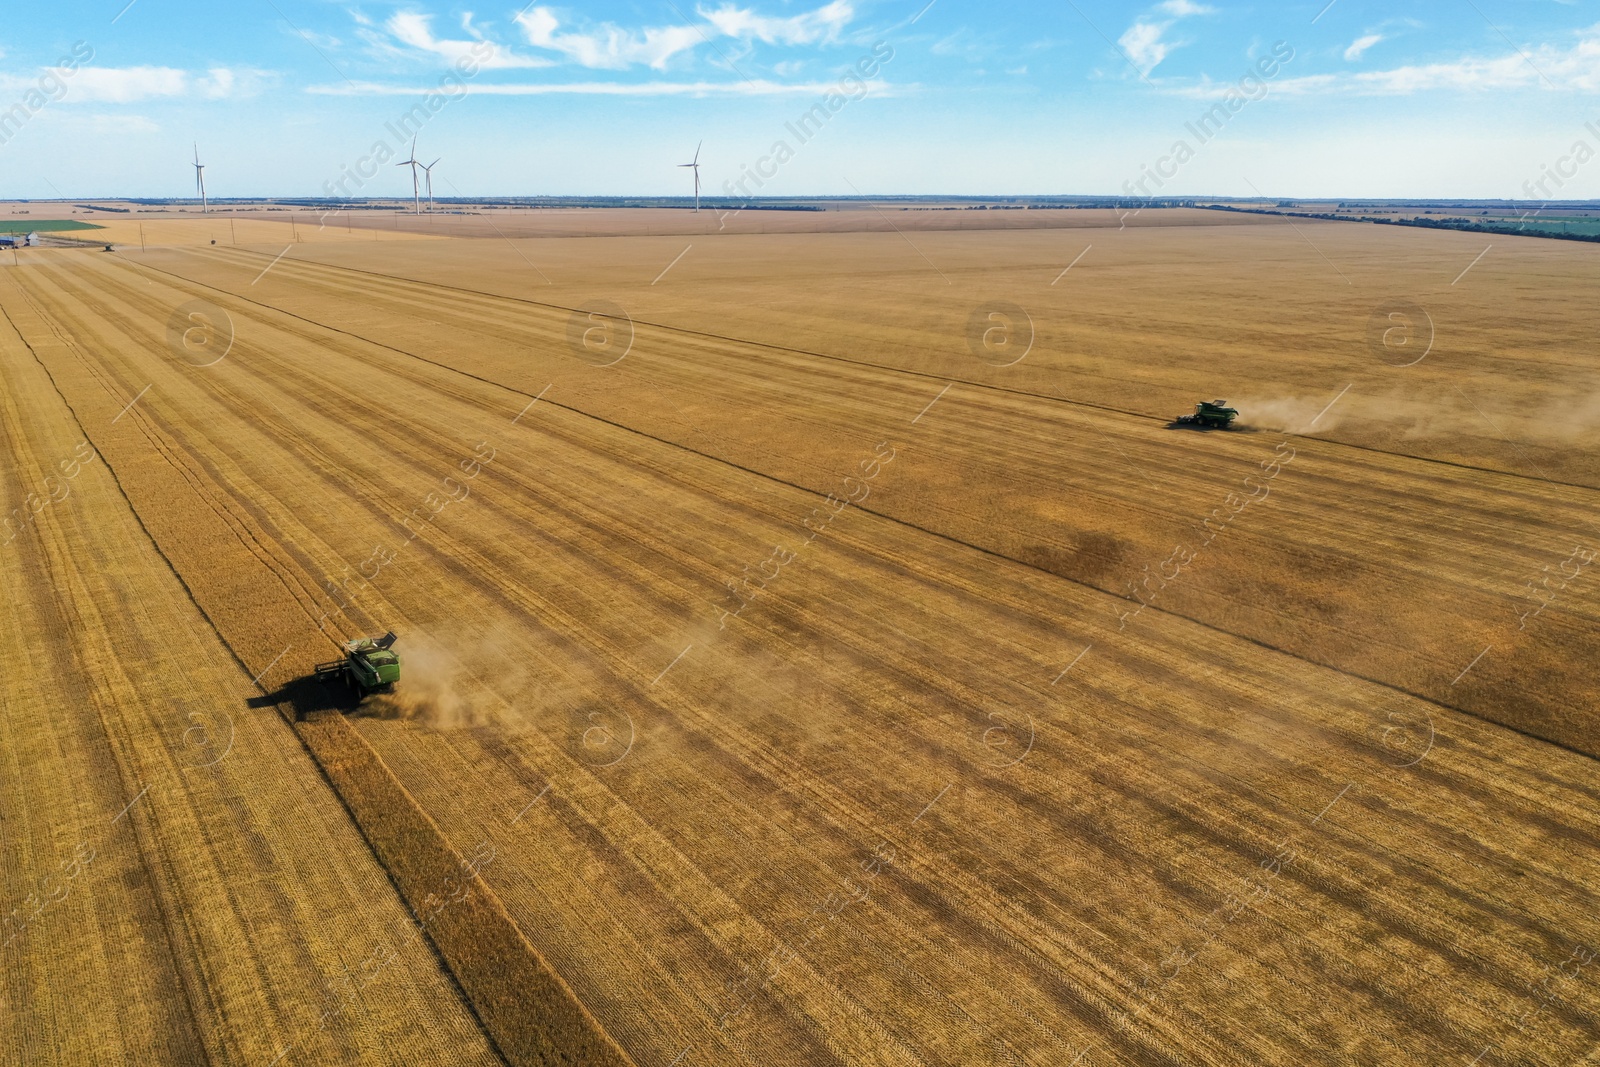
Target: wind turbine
{"x": 427, "y": 173}
{"x": 200, "y": 180}
{"x": 416, "y": 193}
{"x": 695, "y": 166}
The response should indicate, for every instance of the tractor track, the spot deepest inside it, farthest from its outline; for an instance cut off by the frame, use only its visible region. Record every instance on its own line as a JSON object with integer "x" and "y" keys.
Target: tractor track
{"x": 1064, "y": 827}
{"x": 343, "y": 755}
{"x": 890, "y": 518}
{"x": 924, "y": 529}
{"x": 1109, "y": 475}
{"x": 860, "y": 690}
{"x": 423, "y": 287}
{"x": 483, "y": 575}
{"x": 207, "y": 982}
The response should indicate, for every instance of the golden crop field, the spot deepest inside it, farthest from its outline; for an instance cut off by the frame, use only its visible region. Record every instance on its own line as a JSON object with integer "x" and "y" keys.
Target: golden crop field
{"x": 819, "y": 645}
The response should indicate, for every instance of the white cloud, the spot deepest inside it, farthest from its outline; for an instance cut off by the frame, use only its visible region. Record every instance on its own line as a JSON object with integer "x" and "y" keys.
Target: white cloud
{"x": 1143, "y": 44}
{"x": 1571, "y": 68}
{"x": 1360, "y": 45}
{"x": 822, "y": 24}
{"x": 122, "y": 85}
{"x": 608, "y": 47}
{"x": 126, "y": 85}
{"x": 416, "y": 31}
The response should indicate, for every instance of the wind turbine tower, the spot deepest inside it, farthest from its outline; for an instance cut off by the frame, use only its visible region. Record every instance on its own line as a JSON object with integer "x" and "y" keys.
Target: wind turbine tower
{"x": 200, "y": 180}
{"x": 427, "y": 174}
{"x": 695, "y": 166}
{"x": 416, "y": 191}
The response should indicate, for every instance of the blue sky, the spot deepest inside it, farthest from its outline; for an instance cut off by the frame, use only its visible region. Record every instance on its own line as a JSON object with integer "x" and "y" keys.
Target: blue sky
{"x": 1441, "y": 98}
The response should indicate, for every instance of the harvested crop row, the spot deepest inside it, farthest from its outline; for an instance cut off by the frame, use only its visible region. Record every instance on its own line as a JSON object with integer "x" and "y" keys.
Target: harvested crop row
{"x": 1024, "y": 905}
{"x": 699, "y": 881}
{"x": 1280, "y": 573}
{"x": 255, "y": 597}
{"x": 204, "y": 898}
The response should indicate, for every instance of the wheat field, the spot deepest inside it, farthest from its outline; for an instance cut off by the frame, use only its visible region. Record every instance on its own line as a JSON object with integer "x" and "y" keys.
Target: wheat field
{"x": 819, "y": 646}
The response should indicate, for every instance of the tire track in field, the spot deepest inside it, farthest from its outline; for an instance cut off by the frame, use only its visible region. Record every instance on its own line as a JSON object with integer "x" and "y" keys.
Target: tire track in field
{"x": 1566, "y": 731}
{"x": 903, "y": 669}
{"x": 223, "y": 1025}
{"x": 1350, "y": 639}
{"x": 473, "y": 574}
{"x": 471, "y": 571}
{"x": 476, "y": 937}
{"x": 49, "y": 586}
{"x": 475, "y": 570}
{"x": 421, "y": 291}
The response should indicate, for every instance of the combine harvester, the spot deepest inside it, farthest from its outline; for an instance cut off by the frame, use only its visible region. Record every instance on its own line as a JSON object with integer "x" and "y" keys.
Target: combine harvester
{"x": 370, "y": 665}
{"x": 1210, "y": 415}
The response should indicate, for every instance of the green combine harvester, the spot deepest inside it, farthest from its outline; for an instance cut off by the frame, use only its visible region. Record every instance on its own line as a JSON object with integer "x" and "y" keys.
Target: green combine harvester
{"x": 370, "y": 665}
{"x": 1210, "y": 415}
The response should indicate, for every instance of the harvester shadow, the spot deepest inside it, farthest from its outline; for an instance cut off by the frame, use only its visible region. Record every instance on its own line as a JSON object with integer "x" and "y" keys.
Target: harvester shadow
{"x": 307, "y": 696}
{"x": 1197, "y": 428}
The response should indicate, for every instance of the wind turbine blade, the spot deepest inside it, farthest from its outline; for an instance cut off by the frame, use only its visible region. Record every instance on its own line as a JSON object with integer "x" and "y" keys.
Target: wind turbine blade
{"x": 697, "y": 151}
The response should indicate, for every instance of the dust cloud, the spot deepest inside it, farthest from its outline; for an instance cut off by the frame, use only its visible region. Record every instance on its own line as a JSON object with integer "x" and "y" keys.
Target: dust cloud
{"x": 1558, "y": 421}
{"x": 1289, "y": 414}
{"x": 433, "y": 690}
{"x": 458, "y": 677}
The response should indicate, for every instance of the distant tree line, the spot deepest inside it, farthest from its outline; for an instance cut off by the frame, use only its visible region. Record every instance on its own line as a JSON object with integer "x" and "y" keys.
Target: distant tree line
{"x": 1446, "y": 223}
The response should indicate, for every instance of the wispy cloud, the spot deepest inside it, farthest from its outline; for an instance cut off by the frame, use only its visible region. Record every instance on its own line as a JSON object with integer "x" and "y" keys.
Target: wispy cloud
{"x": 658, "y": 88}
{"x": 607, "y": 46}
{"x": 416, "y": 31}
{"x": 1360, "y": 45}
{"x": 127, "y": 85}
{"x": 1573, "y": 68}
{"x": 822, "y": 24}
{"x": 1181, "y": 8}
{"x": 103, "y": 124}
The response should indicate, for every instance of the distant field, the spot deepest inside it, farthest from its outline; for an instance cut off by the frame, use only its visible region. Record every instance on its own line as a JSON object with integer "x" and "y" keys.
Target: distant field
{"x": 1587, "y": 227}
{"x": 44, "y": 226}
{"x": 1573, "y": 226}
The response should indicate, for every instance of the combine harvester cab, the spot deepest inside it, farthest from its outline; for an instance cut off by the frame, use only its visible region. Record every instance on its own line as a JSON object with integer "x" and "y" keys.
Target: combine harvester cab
{"x": 370, "y": 664}
{"x": 1210, "y": 415}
